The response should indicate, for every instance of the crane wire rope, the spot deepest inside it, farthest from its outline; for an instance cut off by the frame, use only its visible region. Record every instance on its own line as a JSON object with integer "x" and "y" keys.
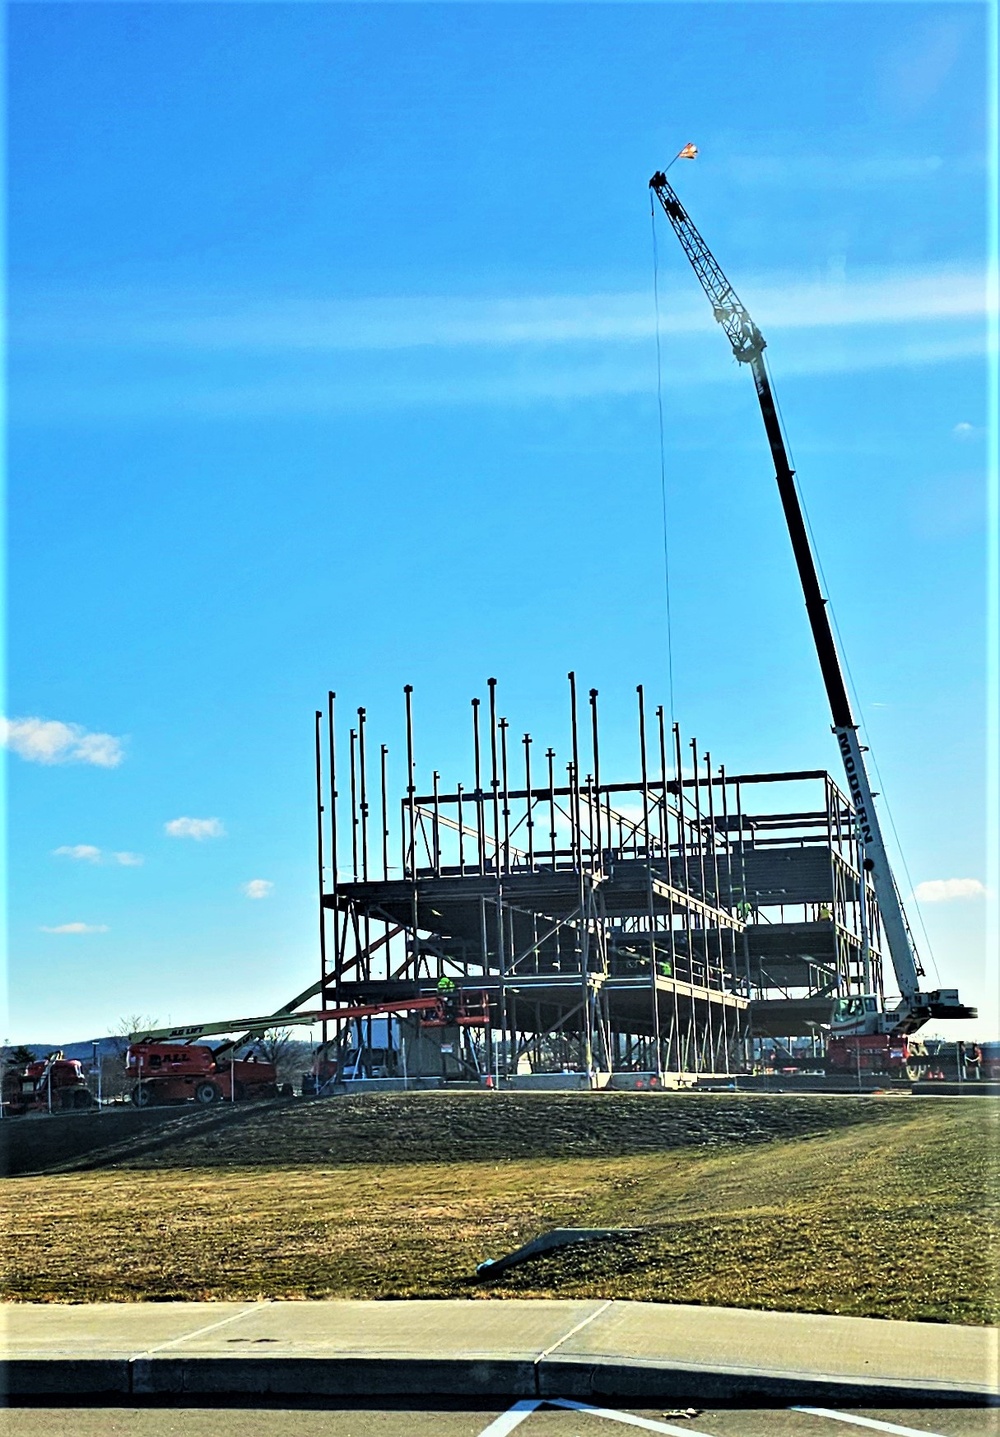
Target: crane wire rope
{"x": 929, "y": 949}
{"x": 663, "y": 458}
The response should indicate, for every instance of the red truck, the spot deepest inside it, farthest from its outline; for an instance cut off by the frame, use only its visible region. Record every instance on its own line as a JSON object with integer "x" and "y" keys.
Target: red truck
{"x": 54, "y": 1084}
{"x": 898, "y": 1055}
{"x": 186, "y": 1072}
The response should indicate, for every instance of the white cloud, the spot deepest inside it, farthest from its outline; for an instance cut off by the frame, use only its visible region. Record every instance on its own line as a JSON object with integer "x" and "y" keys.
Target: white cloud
{"x": 79, "y": 852}
{"x": 318, "y": 324}
{"x": 88, "y": 853}
{"x": 943, "y": 890}
{"x": 258, "y": 888}
{"x": 50, "y": 741}
{"x": 197, "y": 828}
{"x": 76, "y": 928}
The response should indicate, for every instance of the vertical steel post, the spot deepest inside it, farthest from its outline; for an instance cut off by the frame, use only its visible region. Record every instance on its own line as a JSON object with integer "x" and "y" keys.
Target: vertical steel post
{"x": 711, "y": 825}
{"x": 319, "y": 843}
{"x": 550, "y": 755}
{"x": 577, "y": 841}
{"x": 697, "y": 817}
{"x": 384, "y": 785}
{"x": 478, "y": 792}
{"x": 651, "y": 918}
{"x": 410, "y": 868}
{"x": 505, "y": 788}
{"x": 363, "y": 807}
{"x": 494, "y": 774}
{"x": 643, "y": 774}
{"x": 436, "y": 826}
{"x": 664, "y": 819}
{"x": 461, "y": 833}
{"x": 334, "y": 856}
{"x": 681, "y": 834}
{"x": 728, "y": 905}
{"x": 529, "y": 821}
{"x": 330, "y": 697}
{"x": 354, "y": 803}
{"x": 598, "y": 832}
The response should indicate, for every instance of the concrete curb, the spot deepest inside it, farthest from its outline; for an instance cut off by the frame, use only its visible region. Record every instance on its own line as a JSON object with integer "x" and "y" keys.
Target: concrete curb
{"x": 486, "y": 1377}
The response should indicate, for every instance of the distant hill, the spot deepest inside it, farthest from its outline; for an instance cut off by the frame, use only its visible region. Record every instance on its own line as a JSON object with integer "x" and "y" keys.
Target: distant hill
{"x": 106, "y": 1048}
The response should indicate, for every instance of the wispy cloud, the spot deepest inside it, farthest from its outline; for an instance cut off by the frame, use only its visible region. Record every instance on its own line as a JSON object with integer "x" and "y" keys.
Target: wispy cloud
{"x": 258, "y": 888}
{"x": 88, "y": 853}
{"x": 196, "y": 828}
{"x": 51, "y": 741}
{"x": 76, "y": 928}
{"x": 241, "y": 323}
{"x": 117, "y": 359}
{"x": 945, "y": 890}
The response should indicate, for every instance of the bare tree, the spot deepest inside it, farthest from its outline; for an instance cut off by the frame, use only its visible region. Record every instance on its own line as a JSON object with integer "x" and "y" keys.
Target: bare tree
{"x": 281, "y": 1047}
{"x": 115, "y": 1081}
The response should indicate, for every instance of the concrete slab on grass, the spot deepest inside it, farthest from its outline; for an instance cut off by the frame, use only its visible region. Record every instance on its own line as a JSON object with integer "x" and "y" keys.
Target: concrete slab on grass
{"x": 490, "y": 1348}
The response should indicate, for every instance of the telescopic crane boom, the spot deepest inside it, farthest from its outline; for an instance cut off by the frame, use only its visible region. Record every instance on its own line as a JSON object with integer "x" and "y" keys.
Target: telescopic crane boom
{"x": 748, "y": 345}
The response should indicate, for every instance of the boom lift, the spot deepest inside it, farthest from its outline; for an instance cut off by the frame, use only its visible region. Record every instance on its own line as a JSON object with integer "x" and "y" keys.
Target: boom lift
{"x": 52, "y": 1084}
{"x": 171, "y": 1066}
{"x": 863, "y": 1033}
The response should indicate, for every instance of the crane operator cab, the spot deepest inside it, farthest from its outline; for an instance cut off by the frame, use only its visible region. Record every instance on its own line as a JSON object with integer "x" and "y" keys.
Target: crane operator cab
{"x": 858, "y": 1013}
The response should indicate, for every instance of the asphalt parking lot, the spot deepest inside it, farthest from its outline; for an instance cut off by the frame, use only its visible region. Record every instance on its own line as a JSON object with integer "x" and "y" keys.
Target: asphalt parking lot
{"x": 528, "y": 1419}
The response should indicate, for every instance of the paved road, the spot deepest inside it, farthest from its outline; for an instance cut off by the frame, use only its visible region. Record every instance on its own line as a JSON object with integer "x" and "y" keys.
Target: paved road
{"x": 349, "y": 1420}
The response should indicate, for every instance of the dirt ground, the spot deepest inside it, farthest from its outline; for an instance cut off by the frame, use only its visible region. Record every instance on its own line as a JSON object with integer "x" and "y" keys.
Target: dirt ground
{"x": 422, "y": 1127}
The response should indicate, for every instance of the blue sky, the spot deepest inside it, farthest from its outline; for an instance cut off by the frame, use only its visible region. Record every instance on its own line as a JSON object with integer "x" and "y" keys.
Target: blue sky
{"x": 332, "y": 365}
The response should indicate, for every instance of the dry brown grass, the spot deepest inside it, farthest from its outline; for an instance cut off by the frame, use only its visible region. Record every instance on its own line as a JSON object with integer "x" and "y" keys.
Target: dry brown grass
{"x": 892, "y": 1217}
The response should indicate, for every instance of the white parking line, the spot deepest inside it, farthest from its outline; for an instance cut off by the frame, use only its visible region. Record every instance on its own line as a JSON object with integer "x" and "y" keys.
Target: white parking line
{"x": 649, "y": 1424}
{"x": 872, "y": 1422}
{"x": 512, "y": 1418}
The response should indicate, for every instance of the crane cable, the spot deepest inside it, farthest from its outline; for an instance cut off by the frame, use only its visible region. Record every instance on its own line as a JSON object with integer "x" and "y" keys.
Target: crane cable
{"x": 663, "y": 458}
{"x": 850, "y": 678}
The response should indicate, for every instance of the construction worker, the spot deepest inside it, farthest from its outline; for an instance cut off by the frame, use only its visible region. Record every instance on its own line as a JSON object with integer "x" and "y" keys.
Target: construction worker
{"x": 447, "y": 990}
{"x": 973, "y": 1058}
{"x": 825, "y": 915}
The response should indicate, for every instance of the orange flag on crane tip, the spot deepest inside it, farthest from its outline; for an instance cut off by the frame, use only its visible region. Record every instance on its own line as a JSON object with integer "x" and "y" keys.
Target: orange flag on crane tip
{"x": 689, "y": 152}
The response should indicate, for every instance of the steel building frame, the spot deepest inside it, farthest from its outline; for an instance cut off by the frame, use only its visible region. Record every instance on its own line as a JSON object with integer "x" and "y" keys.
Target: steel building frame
{"x": 613, "y": 924}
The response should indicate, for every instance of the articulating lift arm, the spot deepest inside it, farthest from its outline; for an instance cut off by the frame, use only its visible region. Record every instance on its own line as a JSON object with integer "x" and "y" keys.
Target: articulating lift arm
{"x": 748, "y": 346}
{"x": 466, "y": 1008}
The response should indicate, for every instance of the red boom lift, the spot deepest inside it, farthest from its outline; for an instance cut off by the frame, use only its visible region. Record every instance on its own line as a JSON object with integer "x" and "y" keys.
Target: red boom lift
{"x": 54, "y": 1084}
{"x": 169, "y": 1066}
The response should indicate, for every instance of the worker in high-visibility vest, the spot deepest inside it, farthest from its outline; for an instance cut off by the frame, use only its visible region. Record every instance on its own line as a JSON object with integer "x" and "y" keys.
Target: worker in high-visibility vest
{"x": 446, "y": 993}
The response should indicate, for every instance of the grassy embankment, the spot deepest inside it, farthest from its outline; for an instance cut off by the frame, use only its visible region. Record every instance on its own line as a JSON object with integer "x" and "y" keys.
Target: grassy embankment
{"x": 876, "y": 1207}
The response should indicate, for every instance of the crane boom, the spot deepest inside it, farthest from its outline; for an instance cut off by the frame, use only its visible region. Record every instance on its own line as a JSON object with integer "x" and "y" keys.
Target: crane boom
{"x": 748, "y": 345}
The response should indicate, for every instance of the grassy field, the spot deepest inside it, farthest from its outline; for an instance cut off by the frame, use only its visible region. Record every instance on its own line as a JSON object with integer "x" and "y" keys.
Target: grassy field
{"x": 877, "y": 1207}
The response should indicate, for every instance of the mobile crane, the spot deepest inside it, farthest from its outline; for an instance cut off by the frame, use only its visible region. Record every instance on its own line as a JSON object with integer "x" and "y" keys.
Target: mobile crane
{"x": 863, "y": 1034}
